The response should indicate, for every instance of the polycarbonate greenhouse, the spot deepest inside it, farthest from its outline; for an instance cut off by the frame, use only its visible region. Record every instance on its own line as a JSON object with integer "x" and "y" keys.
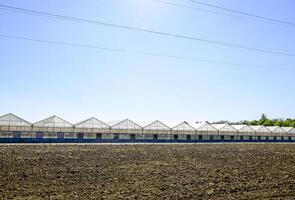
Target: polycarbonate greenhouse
{"x": 14, "y": 129}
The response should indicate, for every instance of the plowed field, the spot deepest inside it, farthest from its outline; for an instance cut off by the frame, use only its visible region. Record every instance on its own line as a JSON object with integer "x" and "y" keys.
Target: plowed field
{"x": 206, "y": 171}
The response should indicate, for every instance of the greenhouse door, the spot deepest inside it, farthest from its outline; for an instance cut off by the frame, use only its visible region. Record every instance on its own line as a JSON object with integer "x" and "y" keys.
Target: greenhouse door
{"x": 132, "y": 137}
{"x": 188, "y": 137}
{"x": 175, "y": 137}
{"x": 16, "y": 136}
{"x": 80, "y": 137}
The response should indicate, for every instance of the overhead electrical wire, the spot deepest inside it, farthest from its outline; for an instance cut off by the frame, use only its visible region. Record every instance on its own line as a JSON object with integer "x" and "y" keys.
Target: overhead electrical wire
{"x": 142, "y": 53}
{"x": 212, "y": 11}
{"x": 130, "y": 28}
{"x": 243, "y": 13}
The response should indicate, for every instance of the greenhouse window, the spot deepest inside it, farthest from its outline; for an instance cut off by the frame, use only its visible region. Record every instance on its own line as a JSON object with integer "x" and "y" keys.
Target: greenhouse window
{"x": 39, "y": 135}
{"x": 60, "y": 135}
{"x": 16, "y": 134}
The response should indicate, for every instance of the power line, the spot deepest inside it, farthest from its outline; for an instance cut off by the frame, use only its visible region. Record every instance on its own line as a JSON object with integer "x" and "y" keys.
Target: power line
{"x": 141, "y": 52}
{"x": 213, "y": 12}
{"x": 243, "y": 13}
{"x": 130, "y": 28}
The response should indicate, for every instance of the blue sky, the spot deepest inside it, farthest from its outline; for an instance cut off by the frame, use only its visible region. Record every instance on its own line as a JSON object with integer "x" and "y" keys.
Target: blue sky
{"x": 39, "y": 80}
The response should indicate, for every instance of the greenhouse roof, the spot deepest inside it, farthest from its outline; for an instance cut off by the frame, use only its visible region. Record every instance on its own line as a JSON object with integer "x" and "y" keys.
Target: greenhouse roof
{"x": 289, "y": 129}
{"x": 123, "y": 124}
{"x": 260, "y": 128}
{"x": 183, "y": 126}
{"x": 224, "y": 127}
{"x": 13, "y": 120}
{"x": 154, "y": 125}
{"x": 52, "y": 122}
{"x": 91, "y": 123}
{"x": 243, "y": 127}
{"x": 203, "y": 127}
{"x": 239, "y": 126}
{"x": 276, "y": 129}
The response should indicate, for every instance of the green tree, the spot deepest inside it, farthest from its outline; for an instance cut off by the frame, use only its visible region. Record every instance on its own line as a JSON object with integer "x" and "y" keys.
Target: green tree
{"x": 253, "y": 122}
{"x": 268, "y": 122}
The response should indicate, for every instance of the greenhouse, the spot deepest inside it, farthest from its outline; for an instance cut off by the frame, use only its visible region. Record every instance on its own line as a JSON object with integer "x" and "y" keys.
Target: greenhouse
{"x": 184, "y": 131}
{"x": 205, "y": 129}
{"x": 14, "y": 129}
{"x": 91, "y": 128}
{"x": 225, "y": 129}
{"x": 155, "y": 130}
{"x": 124, "y": 126}
{"x": 244, "y": 129}
{"x": 53, "y": 124}
{"x": 92, "y": 125}
{"x": 277, "y": 131}
{"x": 183, "y": 128}
{"x": 261, "y": 131}
{"x": 289, "y": 130}
{"x": 53, "y": 127}
{"x": 154, "y": 127}
{"x": 11, "y": 122}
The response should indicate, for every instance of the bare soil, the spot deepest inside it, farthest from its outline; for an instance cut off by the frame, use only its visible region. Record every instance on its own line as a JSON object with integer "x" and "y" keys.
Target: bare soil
{"x": 206, "y": 171}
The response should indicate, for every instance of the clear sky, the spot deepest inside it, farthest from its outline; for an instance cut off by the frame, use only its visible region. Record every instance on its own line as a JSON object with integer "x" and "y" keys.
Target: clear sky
{"x": 38, "y": 80}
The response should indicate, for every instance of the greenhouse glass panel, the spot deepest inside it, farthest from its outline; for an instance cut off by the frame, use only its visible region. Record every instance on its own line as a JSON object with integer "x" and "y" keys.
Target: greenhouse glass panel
{"x": 92, "y": 125}
{"x": 290, "y": 131}
{"x": 184, "y": 128}
{"x": 124, "y": 126}
{"x": 205, "y": 128}
{"x": 244, "y": 129}
{"x": 155, "y": 127}
{"x": 13, "y": 120}
{"x": 261, "y": 130}
{"x": 277, "y": 131}
{"x": 53, "y": 122}
{"x": 225, "y": 129}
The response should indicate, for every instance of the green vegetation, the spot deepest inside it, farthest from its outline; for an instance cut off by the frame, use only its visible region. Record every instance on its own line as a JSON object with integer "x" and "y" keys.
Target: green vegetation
{"x": 265, "y": 121}
{"x": 272, "y": 122}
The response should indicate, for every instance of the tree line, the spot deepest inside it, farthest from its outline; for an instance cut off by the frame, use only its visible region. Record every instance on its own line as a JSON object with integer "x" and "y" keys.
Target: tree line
{"x": 263, "y": 121}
